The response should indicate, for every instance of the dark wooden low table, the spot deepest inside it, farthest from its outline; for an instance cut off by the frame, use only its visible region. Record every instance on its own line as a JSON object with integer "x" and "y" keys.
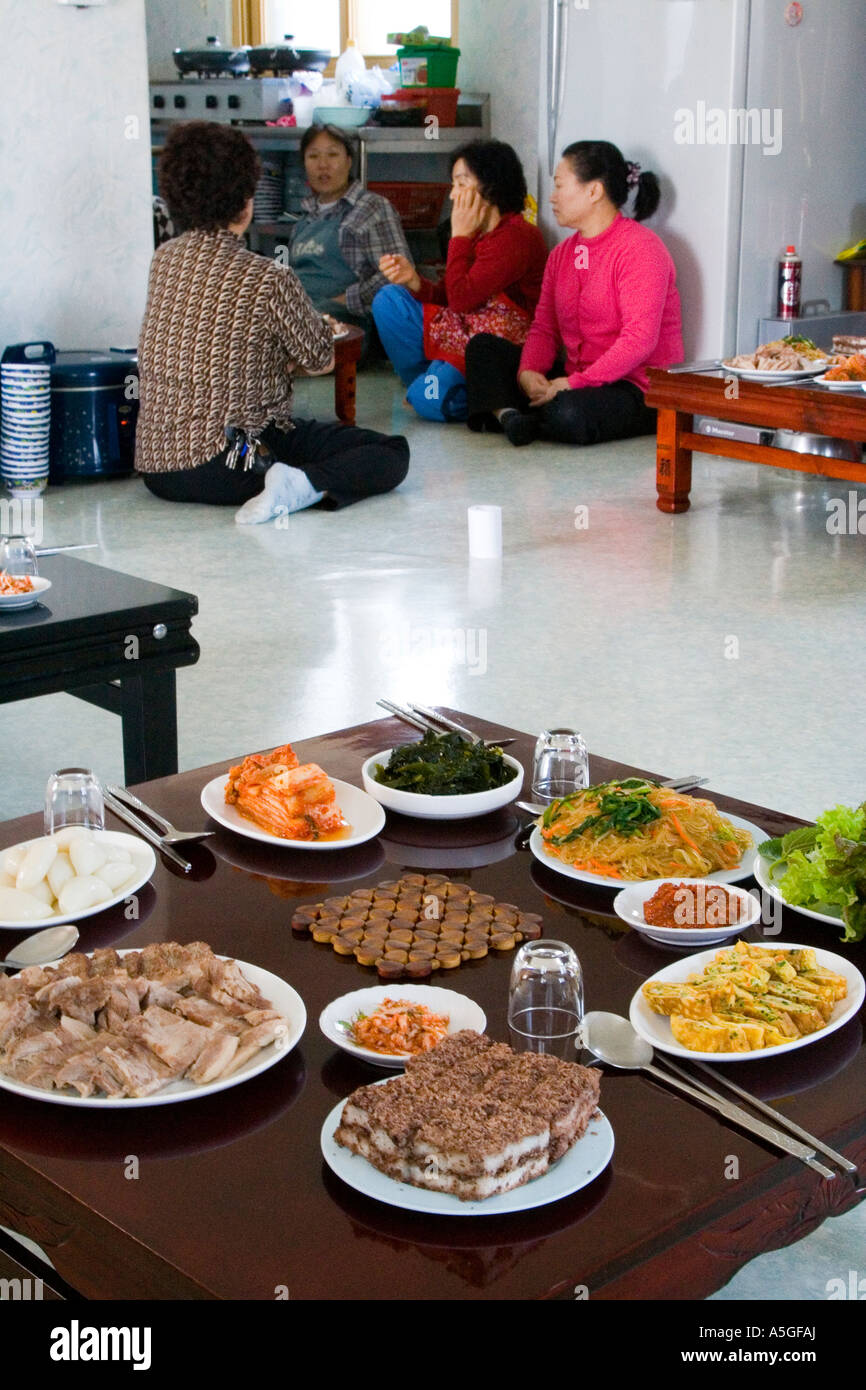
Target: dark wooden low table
{"x": 679, "y": 396}
{"x": 112, "y": 640}
{"x": 347, "y": 355}
{"x": 229, "y": 1197}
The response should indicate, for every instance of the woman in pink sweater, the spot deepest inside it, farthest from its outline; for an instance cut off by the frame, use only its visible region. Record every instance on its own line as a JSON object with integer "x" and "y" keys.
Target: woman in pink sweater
{"x": 609, "y": 308}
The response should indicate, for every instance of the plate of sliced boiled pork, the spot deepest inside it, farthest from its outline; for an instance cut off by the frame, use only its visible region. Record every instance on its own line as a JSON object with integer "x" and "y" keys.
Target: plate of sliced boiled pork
{"x": 274, "y": 798}
{"x": 792, "y": 358}
{"x": 472, "y": 1128}
{"x": 121, "y": 1029}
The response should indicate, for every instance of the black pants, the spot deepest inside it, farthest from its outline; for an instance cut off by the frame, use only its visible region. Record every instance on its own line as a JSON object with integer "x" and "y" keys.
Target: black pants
{"x": 588, "y": 415}
{"x": 343, "y": 462}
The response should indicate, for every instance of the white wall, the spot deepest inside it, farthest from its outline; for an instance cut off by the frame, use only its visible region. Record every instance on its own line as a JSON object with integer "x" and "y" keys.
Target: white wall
{"x": 182, "y": 24}
{"x": 76, "y": 227}
{"x": 500, "y": 53}
{"x": 629, "y": 68}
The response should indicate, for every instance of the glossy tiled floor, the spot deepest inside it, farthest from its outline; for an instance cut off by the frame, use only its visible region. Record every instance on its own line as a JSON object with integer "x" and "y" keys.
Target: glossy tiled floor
{"x": 725, "y": 641}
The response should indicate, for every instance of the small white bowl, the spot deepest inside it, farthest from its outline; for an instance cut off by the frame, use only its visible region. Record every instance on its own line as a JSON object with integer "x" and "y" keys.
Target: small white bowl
{"x": 460, "y": 807}
{"x": 462, "y": 1013}
{"x": 629, "y": 905}
{"x": 28, "y": 600}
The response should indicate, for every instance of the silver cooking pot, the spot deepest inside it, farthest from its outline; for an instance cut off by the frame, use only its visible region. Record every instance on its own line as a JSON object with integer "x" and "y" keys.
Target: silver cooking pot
{"x": 821, "y": 444}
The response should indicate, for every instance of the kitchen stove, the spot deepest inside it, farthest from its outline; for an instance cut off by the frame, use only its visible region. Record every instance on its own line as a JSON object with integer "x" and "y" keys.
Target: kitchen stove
{"x": 224, "y": 99}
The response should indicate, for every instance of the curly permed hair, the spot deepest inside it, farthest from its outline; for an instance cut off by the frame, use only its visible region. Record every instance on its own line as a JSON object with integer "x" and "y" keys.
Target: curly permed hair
{"x": 207, "y": 174}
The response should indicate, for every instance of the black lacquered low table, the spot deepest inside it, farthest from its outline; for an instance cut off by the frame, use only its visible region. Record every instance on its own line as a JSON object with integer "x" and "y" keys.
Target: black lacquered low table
{"x": 232, "y": 1198}
{"x": 112, "y": 640}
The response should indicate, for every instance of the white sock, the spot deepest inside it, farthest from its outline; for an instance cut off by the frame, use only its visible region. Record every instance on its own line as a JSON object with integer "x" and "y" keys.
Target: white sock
{"x": 286, "y": 490}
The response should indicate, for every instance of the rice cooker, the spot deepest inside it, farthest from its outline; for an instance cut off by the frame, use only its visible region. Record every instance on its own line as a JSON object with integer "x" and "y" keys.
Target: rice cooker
{"x": 94, "y": 407}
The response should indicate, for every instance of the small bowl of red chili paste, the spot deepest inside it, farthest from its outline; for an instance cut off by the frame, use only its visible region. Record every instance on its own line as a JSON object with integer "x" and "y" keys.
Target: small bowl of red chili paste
{"x": 687, "y": 912}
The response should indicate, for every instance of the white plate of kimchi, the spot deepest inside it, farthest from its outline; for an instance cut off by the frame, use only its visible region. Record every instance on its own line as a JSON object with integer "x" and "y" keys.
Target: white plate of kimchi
{"x": 363, "y": 815}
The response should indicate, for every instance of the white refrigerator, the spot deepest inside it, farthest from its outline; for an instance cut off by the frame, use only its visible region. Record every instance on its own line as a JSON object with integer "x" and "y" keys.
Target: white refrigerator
{"x": 751, "y": 112}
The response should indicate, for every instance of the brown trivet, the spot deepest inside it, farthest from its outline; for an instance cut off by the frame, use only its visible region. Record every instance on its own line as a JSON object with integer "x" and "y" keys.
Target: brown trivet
{"x": 417, "y": 924}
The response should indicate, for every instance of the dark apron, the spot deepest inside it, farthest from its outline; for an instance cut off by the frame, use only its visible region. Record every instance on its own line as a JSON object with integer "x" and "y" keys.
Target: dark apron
{"x": 318, "y": 262}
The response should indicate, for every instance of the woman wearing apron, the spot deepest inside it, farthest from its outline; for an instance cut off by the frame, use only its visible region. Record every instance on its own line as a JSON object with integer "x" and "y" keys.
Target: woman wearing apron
{"x": 345, "y": 230}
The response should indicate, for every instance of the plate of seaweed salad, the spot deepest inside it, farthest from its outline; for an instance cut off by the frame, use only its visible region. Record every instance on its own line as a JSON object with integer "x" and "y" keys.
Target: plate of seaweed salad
{"x": 442, "y": 777}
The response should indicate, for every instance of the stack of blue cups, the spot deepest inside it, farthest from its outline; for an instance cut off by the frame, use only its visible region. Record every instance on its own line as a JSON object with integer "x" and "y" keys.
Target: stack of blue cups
{"x": 25, "y": 387}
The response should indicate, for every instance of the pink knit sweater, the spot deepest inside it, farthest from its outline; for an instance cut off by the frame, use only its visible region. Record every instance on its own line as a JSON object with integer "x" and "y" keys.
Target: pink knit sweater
{"x": 611, "y": 301}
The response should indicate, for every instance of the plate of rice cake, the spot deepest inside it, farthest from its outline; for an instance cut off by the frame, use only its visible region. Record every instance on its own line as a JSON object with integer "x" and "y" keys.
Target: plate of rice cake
{"x": 747, "y": 1000}
{"x": 472, "y": 1128}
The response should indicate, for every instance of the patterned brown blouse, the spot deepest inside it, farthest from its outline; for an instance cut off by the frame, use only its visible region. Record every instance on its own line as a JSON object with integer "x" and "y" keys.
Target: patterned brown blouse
{"x": 222, "y": 330}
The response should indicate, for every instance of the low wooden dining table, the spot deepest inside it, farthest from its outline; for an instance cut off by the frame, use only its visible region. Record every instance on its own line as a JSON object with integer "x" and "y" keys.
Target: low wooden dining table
{"x": 228, "y": 1197}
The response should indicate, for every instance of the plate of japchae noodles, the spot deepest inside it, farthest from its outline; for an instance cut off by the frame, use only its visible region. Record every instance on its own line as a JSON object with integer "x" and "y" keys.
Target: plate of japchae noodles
{"x": 633, "y": 829}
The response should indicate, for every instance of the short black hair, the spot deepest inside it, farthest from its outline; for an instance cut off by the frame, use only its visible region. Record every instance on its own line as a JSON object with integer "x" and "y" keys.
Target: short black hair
{"x": 498, "y": 170}
{"x": 599, "y": 159}
{"x": 336, "y": 133}
{"x": 207, "y": 174}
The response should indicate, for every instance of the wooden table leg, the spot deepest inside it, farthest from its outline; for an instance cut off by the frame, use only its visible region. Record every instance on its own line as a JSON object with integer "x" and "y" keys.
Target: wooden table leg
{"x": 347, "y": 355}
{"x": 673, "y": 462}
{"x": 149, "y": 717}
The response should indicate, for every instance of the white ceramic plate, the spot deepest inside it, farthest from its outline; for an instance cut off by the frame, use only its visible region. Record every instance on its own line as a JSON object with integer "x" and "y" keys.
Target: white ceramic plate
{"x": 440, "y": 807}
{"x": 282, "y": 997}
{"x": 584, "y": 1161}
{"x": 28, "y": 600}
{"x": 840, "y": 385}
{"x": 761, "y": 870}
{"x": 656, "y": 1028}
{"x": 629, "y": 905}
{"x": 142, "y": 856}
{"x": 753, "y": 374}
{"x": 536, "y": 844}
{"x": 460, "y": 1011}
{"x": 364, "y": 814}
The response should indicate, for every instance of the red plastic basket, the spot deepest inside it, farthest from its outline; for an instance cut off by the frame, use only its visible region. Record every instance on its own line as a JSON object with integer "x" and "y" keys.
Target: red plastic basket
{"x": 440, "y": 102}
{"x": 417, "y": 204}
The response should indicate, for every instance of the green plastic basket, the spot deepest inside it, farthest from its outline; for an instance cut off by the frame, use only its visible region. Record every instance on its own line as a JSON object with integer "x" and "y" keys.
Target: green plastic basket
{"x": 428, "y": 67}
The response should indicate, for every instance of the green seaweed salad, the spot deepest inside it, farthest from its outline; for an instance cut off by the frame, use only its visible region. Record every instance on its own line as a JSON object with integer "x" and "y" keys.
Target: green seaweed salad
{"x": 823, "y": 867}
{"x": 444, "y": 765}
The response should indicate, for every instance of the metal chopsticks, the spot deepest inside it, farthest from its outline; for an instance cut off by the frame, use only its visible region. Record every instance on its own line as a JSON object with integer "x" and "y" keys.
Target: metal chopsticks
{"x": 146, "y": 832}
{"x": 782, "y": 1120}
{"x": 424, "y": 722}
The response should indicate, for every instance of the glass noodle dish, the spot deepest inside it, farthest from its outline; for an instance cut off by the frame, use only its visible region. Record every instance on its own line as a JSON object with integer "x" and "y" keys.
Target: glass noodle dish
{"x": 636, "y": 829}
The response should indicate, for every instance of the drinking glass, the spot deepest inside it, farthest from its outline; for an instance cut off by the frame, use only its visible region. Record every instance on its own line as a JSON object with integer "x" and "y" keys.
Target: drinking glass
{"x": 73, "y": 796}
{"x": 545, "y": 999}
{"x": 560, "y": 766}
{"x": 18, "y": 555}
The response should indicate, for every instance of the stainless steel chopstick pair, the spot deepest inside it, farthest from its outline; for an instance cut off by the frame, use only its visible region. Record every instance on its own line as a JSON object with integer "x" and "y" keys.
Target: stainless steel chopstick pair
{"x": 146, "y": 831}
{"x": 805, "y": 1150}
{"x": 121, "y": 802}
{"x": 420, "y": 717}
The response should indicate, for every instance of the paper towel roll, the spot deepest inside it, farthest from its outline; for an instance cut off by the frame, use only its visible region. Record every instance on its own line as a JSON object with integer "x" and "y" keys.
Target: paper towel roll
{"x": 485, "y": 532}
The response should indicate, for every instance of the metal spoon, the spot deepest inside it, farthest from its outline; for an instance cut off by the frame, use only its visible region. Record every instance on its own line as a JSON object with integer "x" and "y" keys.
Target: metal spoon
{"x": 49, "y": 944}
{"x": 612, "y": 1039}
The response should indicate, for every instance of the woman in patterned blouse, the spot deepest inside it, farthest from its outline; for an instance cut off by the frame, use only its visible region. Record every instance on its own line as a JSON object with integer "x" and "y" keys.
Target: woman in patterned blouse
{"x": 223, "y": 332}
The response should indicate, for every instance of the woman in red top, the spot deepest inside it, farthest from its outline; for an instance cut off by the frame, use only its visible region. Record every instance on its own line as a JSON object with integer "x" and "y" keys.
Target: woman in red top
{"x": 492, "y": 282}
{"x": 609, "y": 309}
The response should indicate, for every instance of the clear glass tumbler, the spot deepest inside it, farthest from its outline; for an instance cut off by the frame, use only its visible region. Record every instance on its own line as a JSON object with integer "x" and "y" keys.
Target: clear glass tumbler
{"x": 73, "y": 796}
{"x": 18, "y": 556}
{"x": 560, "y": 765}
{"x": 545, "y": 999}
